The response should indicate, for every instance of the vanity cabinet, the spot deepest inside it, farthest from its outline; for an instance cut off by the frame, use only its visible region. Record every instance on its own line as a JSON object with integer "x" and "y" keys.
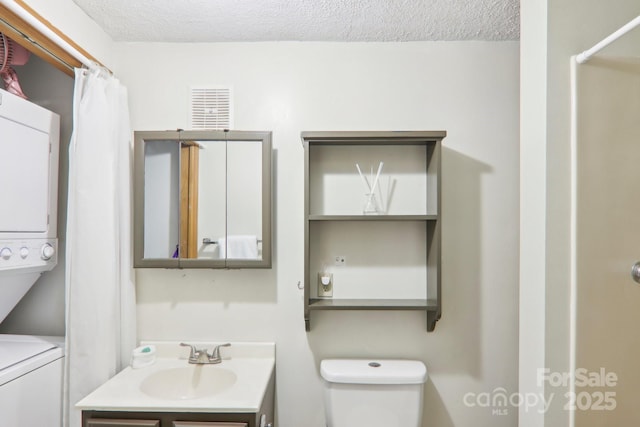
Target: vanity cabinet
{"x": 168, "y": 419}
{"x": 122, "y": 423}
{"x": 376, "y": 250}
{"x": 214, "y": 424}
{"x": 171, "y": 392}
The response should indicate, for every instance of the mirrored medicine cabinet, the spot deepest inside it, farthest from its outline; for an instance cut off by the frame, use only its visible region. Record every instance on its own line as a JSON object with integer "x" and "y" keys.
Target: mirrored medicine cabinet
{"x": 202, "y": 199}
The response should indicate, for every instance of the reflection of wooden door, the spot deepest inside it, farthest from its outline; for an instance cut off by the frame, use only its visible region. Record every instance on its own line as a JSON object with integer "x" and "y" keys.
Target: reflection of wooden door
{"x": 189, "y": 154}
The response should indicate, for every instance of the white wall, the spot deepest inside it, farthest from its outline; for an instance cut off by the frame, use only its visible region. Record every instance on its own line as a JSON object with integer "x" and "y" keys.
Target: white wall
{"x": 469, "y": 89}
{"x": 533, "y": 130}
{"x": 161, "y": 199}
{"x": 212, "y": 194}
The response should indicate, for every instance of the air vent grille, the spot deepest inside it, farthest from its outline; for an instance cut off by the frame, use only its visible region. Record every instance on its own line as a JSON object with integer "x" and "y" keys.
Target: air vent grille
{"x": 211, "y": 107}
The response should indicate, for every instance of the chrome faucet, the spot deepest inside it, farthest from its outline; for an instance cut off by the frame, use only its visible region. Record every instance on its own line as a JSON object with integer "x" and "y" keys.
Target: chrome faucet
{"x": 201, "y": 357}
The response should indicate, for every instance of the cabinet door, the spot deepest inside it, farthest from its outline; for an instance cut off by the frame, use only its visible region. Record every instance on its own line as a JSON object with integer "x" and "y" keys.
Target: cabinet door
{"x": 96, "y": 422}
{"x": 207, "y": 424}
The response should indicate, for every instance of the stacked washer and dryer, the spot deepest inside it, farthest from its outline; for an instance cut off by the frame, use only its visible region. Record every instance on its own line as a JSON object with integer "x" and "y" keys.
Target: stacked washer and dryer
{"x": 31, "y": 367}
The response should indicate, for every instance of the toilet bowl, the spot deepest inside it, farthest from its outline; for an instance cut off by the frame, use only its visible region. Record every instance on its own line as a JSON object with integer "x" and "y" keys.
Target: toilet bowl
{"x": 373, "y": 393}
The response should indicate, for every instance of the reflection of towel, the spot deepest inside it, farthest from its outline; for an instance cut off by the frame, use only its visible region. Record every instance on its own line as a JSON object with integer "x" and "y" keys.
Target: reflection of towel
{"x": 238, "y": 247}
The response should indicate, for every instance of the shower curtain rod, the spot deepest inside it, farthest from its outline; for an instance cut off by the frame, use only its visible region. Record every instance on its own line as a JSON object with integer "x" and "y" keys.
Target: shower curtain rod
{"x": 587, "y": 54}
{"x": 19, "y": 9}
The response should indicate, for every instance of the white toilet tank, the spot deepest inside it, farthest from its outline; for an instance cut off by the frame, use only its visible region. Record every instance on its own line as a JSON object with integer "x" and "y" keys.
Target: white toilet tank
{"x": 373, "y": 393}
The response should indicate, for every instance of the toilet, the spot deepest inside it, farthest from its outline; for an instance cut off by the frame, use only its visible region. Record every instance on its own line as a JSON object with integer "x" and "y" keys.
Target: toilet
{"x": 373, "y": 393}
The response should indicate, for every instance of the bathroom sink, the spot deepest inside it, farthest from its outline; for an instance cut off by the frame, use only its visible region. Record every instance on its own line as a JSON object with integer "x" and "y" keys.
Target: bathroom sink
{"x": 239, "y": 384}
{"x": 189, "y": 382}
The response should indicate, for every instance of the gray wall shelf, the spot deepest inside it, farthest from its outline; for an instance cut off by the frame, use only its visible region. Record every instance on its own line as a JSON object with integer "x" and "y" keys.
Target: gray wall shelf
{"x": 334, "y": 223}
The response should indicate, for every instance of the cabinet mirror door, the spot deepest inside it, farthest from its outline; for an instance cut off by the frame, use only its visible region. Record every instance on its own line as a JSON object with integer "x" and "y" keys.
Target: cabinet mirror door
{"x": 202, "y": 199}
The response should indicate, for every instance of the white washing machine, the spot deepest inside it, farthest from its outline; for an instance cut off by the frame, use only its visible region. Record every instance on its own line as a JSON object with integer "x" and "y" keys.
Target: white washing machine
{"x": 31, "y": 373}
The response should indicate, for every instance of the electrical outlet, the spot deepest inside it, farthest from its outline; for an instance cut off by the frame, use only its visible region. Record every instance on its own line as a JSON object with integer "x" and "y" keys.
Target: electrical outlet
{"x": 325, "y": 285}
{"x": 340, "y": 260}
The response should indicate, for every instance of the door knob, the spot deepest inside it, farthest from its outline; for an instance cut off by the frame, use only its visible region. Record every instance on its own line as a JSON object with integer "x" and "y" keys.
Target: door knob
{"x": 635, "y": 272}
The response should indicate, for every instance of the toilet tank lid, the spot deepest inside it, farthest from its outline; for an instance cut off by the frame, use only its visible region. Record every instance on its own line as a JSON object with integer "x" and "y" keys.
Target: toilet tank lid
{"x": 373, "y": 371}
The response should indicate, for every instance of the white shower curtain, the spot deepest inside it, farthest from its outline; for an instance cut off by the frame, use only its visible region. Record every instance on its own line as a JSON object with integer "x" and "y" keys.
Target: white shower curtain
{"x": 100, "y": 294}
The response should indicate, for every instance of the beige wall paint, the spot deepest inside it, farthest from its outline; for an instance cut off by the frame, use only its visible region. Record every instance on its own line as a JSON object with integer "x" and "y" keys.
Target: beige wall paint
{"x": 571, "y": 26}
{"x": 607, "y": 222}
{"x": 469, "y": 89}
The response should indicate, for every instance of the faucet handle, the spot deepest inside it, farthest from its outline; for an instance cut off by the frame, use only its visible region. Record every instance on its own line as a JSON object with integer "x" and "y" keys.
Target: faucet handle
{"x": 193, "y": 353}
{"x": 215, "y": 354}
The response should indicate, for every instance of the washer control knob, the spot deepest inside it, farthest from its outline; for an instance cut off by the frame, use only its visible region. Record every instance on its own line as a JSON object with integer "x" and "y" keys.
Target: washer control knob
{"x": 5, "y": 253}
{"x": 24, "y": 252}
{"x": 47, "y": 251}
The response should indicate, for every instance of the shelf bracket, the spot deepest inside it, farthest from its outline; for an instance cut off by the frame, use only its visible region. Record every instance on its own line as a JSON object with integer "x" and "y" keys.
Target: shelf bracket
{"x": 432, "y": 318}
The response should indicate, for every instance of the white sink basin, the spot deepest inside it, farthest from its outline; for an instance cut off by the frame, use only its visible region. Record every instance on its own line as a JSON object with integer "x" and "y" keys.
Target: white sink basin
{"x": 189, "y": 382}
{"x": 238, "y": 384}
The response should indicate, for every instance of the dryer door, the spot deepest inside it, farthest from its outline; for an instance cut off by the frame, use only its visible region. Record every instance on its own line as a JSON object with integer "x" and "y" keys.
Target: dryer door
{"x": 24, "y": 178}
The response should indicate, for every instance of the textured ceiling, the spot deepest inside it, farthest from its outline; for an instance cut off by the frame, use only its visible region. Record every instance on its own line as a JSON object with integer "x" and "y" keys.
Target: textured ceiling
{"x": 305, "y": 20}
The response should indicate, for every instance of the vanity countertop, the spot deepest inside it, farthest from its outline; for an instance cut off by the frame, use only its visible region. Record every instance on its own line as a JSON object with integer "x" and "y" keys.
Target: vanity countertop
{"x": 250, "y": 365}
